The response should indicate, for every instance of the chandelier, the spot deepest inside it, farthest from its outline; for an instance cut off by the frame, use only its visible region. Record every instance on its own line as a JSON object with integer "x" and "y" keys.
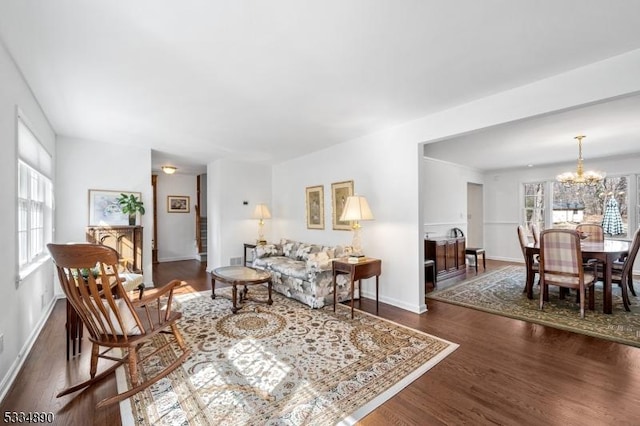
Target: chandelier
{"x": 580, "y": 177}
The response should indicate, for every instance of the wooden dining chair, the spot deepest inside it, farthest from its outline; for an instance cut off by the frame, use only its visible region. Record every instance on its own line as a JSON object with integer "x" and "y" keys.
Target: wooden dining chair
{"x": 561, "y": 265}
{"x": 591, "y": 233}
{"x": 594, "y": 232}
{"x": 524, "y": 241}
{"x": 90, "y": 280}
{"x": 622, "y": 272}
{"x": 535, "y": 231}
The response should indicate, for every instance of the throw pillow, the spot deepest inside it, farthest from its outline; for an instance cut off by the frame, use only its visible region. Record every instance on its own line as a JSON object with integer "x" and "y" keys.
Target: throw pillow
{"x": 304, "y": 250}
{"x": 319, "y": 261}
{"x": 331, "y": 251}
{"x": 290, "y": 248}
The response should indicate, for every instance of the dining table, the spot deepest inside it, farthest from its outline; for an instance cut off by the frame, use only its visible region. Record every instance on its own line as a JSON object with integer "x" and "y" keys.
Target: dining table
{"x": 606, "y": 252}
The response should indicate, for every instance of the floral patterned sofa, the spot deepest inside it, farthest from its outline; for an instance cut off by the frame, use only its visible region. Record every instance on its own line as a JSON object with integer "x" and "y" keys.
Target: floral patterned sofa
{"x": 303, "y": 272}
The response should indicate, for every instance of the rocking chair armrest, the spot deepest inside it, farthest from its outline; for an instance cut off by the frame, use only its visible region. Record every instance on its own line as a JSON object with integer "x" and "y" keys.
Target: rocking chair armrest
{"x": 155, "y": 294}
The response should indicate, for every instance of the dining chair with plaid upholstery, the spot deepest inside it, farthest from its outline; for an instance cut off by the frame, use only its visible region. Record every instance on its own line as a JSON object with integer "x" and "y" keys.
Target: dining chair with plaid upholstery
{"x": 561, "y": 265}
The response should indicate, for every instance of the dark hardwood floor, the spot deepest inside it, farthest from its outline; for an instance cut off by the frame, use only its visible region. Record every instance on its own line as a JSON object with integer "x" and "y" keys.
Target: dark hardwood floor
{"x": 505, "y": 371}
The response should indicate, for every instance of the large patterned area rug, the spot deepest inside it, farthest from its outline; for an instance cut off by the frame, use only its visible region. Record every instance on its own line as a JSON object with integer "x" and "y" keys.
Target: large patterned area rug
{"x": 281, "y": 364}
{"x": 500, "y": 292}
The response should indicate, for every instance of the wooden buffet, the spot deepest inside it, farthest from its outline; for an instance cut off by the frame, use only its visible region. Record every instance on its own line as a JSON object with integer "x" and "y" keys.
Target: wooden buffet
{"x": 126, "y": 240}
{"x": 449, "y": 255}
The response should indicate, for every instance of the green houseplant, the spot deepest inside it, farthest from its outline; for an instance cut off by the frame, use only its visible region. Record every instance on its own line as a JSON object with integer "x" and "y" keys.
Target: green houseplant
{"x": 130, "y": 204}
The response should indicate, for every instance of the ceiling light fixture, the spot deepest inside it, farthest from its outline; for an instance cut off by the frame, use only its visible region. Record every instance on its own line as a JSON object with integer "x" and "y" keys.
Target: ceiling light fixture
{"x": 169, "y": 169}
{"x": 580, "y": 177}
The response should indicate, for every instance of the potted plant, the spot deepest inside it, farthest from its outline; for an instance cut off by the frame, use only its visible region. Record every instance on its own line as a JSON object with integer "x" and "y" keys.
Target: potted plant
{"x": 130, "y": 204}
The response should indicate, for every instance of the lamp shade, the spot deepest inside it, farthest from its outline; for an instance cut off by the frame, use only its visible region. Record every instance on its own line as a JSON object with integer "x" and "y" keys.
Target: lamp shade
{"x": 261, "y": 212}
{"x": 356, "y": 208}
{"x": 169, "y": 169}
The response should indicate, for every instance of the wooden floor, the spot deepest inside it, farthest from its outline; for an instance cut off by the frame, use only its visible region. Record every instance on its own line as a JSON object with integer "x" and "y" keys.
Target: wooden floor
{"x": 505, "y": 372}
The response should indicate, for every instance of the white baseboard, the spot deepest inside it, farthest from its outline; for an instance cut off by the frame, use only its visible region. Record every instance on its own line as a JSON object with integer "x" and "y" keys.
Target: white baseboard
{"x": 416, "y": 309}
{"x": 177, "y": 259}
{"x": 507, "y": 259}
{"x": 17, "y": 364}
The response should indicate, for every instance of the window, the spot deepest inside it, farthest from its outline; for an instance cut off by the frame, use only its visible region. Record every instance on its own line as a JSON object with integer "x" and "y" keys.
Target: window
{"x": 588, "y": 204}
{"x": 534, "y": 205}
{"x": 35, "y": 200}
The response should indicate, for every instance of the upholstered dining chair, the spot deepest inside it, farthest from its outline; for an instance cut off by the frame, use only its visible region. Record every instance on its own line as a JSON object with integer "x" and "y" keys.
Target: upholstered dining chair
{"x": 622, "y": 273}
{"x": 561, "y": 265}
{"x": 524, "y": 241}
{"x": 89, "y": 277}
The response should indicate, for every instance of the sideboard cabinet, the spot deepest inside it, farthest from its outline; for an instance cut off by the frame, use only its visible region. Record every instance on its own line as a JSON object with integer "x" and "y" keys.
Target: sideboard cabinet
{"x": 126, "y": 240}
{"x": 449, "y": 255}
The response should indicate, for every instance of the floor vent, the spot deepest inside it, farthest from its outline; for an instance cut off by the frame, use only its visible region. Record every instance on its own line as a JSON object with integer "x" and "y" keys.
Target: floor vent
{"x": 235, "y": 261}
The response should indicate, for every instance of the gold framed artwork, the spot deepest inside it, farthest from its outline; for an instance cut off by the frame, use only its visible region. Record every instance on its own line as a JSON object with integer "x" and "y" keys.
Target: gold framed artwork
{"x": 315, "y": 207}
{"x": 339, "y": 193}
{"x": 178, "y": 203}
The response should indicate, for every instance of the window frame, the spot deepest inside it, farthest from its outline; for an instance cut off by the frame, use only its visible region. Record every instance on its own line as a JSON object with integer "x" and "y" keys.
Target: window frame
{"x": 629, "y": 178}
{"x": 34, "y": 200}
{"x": 542, "y": 201}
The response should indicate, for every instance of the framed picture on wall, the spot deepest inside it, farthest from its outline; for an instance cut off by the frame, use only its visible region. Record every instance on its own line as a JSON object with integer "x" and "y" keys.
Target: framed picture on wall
{"x": 178, "y": 203}
{"x": 339, "y": 193}
{"x": 104, "y": 209}
{"x": 315, "y": 207}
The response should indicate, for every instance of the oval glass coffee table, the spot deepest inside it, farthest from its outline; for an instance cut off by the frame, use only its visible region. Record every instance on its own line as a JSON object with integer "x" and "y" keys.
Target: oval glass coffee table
{"x": 239, "y": 275}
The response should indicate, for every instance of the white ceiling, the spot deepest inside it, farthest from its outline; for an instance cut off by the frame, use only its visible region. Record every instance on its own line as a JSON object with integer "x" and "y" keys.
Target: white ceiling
{"x": 265, "y": 81}
{"x": 612, "y": 129}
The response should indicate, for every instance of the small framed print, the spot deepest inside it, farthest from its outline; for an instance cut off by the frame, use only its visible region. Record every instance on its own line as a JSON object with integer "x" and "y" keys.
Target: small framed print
{"x": 177, "y": 204}
{"x": 340, "y": 191}
{"x": 315, "y": 207}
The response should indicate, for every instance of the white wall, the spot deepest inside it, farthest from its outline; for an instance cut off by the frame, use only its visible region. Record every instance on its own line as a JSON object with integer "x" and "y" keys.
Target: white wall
{"x": 384, "y": 168}
{"x": 229, "y": 184}
{"x": 445, "y": 195}
{"x": 176, "y": 231}
{"x": 387, "y": 167}
{"x": 27, "y": 304}
{"x": 83, "y": 165}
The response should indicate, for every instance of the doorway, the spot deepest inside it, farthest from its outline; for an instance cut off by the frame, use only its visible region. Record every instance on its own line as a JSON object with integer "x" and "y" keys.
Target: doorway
{"x": 475, "y": 215}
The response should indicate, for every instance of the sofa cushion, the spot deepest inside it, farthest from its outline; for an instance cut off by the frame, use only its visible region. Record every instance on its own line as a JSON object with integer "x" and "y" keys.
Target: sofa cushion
{"x": 286, "y": 266}
{"x": 268, "y": 250}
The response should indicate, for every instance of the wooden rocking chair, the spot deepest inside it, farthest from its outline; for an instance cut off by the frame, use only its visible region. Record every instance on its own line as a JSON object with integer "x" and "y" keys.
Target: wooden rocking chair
{"x": 89, "y": 278}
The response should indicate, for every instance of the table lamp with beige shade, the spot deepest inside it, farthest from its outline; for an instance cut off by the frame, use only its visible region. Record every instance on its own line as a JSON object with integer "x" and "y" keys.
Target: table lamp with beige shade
{"x": 261, "y": 213}
{"x": 356, "y": 209}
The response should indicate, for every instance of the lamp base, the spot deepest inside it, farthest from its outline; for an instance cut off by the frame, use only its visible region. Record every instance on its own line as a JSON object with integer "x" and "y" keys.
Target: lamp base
{"x": 355, "y": 244}
{"x": 261, "y": 242}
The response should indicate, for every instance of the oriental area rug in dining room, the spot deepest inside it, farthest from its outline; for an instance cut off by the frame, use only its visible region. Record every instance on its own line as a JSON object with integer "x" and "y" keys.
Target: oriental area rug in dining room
{"x": 500, "y": 292}
{"x": 280, "y": 364}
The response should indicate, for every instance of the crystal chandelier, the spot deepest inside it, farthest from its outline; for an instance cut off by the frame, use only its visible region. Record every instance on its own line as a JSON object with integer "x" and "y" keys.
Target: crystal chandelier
{"x": 580, "y": 177}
